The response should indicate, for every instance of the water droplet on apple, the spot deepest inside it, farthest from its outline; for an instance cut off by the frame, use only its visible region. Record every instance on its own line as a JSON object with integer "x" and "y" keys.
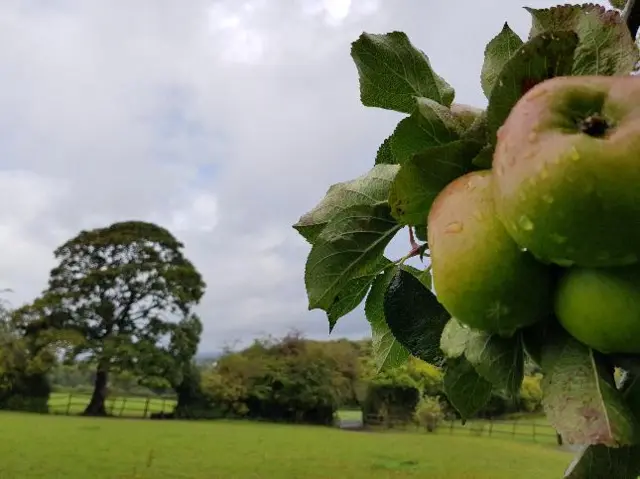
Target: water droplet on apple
{"x": 524, "y": 250}
{"x": 533, "y": 136}
{"x": 559, "y": 238}
{"x": 454, "y": 227}
{"x": 478, "y": 215}
{"x": 525, "y": 223}
{"x": 548, "y": 198}
{"x": 523, "y": 196}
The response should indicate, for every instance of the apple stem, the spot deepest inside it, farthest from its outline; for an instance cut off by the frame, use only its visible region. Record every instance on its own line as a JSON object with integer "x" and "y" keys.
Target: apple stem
{"x": 412, "y": 239}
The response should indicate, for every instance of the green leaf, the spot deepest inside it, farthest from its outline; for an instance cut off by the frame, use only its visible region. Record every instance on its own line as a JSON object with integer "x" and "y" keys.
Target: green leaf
{"x": 580, "y": 398}
{"x": 605, "y": 44}
{"x": 423, "y": 275}
{"x": 392, "y": 72}
{"x": 415, "y": 317}
{"x": 354, "y": 240}
{"x": 387, "y": 351}
{"x": 431, "y": 124}
{"x": 422, "y": 178}
{"x": 602, "y": 461}
{"x": 544, "y": 56}
{"x": 500, "y": 49}
{"x": 484, "y": 158}
{"x": 355, "y": 291}
{"x": 384, "y": 156}
{"x": 367, "y": 189}
{"x": 498, "y": 360}
{"x": 466, "y": 390}
{"x": 453, "y": 341}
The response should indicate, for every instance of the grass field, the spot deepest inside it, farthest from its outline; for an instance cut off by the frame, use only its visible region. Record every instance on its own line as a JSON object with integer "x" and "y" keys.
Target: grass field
{"x": 78, "y": 448}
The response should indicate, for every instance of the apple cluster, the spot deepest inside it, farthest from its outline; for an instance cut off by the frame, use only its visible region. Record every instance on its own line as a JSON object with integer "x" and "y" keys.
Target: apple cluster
{"x": 552, "y": 230}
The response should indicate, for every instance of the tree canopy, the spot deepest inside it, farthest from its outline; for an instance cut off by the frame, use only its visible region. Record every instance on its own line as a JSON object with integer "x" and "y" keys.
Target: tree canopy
{"x": 128, "y": 292}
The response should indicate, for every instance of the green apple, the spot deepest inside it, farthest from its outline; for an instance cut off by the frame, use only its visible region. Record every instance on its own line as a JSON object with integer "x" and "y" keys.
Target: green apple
{"x": 567, "y": 166}
{"x": 480, "y": 275}
{"x": 600, "y": 307}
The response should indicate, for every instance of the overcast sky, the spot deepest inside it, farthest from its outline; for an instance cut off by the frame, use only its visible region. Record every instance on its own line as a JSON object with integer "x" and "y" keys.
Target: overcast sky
{"x": 221, "y": 120}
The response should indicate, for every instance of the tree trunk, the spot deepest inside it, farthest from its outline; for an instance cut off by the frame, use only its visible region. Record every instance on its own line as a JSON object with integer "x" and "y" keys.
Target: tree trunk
{"x": 96, "y": 406}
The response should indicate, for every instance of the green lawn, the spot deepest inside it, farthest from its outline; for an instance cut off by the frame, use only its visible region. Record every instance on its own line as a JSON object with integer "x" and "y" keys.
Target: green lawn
{"x": 80, "y": 448}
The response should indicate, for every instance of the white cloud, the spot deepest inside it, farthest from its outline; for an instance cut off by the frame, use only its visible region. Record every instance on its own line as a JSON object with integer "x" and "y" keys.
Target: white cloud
{"x": 222, "y": 120}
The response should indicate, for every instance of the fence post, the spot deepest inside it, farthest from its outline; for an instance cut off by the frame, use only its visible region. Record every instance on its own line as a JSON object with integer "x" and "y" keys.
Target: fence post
{"x": 534, "y": 430}
{"x": 124, "y": 402}
{"x": 490, "y": 426}
{"x": 513, "y": 431}
{"x": 164, "y": 400}
{"x": 146, "y": 408}
{"x": 113, "y": 404}
{"x": 451, "y": 426}
{"x": 69, "y": 403}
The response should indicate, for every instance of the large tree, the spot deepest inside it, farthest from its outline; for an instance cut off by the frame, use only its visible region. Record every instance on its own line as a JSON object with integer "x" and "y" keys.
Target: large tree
{"x": 129, "y": 291}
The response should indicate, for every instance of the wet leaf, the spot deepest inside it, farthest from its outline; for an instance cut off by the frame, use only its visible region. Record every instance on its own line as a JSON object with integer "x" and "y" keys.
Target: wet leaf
{"x": 500, "y": 49}
{"x": 351, "y": 243}
{"x": 544, "y": 56}
{"x": 466, "y": 390}
{"x": 393, "y": 72}
{"x": 368, "y": 189}
{"x": 605, "y": 45}
{"x": 580, "y": 398}
{"x": 455, "y": 336}
{"x": 415, "y": 317}
{"x": 388, "y": 353}
{"x": 498, "y": 360}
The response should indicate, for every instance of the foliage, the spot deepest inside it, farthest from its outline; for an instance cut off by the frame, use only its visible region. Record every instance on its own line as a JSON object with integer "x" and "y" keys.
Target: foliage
{"x": 430, "y": 147}
{"x": 392, "y": 401}
{"x": 279, "y": 380}
{"x": 126, "y": 292}
{"x": 24, "y": 364}
{"x": 429, "y": 413}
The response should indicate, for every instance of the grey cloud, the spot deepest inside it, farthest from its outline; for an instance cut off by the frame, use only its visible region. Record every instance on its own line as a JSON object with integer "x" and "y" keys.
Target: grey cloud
{"x": 114, "y": 109}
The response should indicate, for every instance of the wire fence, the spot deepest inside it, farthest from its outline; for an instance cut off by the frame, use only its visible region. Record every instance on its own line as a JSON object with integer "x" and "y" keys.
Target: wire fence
{"x": 125, "y": 406}
{"x": 531, "y": 429}
{"x": 537, "y": 430}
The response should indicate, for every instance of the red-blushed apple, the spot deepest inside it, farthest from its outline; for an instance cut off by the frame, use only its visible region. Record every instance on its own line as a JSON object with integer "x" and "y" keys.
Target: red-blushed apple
{"x": 480, "y": 275}
{"x": 567, "y": 168}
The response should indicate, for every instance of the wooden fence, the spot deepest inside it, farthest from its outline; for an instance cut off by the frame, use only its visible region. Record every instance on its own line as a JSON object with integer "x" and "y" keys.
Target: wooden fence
{"x": 125, "y": 406}
{"x": 537, "y": 430}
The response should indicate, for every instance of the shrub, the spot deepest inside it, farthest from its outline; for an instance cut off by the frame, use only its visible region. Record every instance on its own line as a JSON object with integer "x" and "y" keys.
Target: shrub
{"x": 429, "y": 413}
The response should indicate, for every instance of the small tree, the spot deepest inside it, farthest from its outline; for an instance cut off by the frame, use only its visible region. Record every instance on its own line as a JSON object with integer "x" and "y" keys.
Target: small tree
{"x": 429, "y": 413}
{"x": 126, "y": 290}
